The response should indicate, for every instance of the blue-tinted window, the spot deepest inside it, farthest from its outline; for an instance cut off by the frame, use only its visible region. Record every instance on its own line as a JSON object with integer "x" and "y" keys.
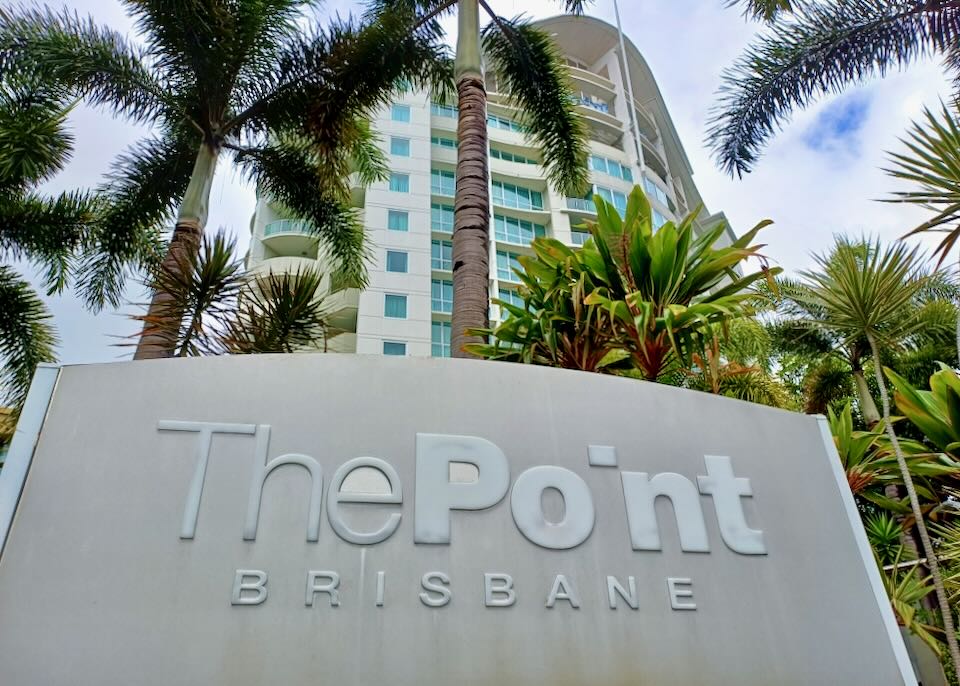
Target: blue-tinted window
{"x": 399, "y": 183}
{"x": 400, "y": 113}
{"x": 441, "y": 218}
{"x": 441, "y": 296}
{"x": 441, "y": 255}
{"x": 400, "y": 146}
{"x": 397, "y": 261}
{"x": 394, "y": 348}
{"x": 518, "y": 231}
{"x": 395, "y": 306}
{"x": 443, "y": 182}
{"x": 508, "y": 195}
{"x": 397, "y": 220}
{"x": 440, "y": 339}
{"x": 439, "y": 110}
{"x": 506, "y": 263}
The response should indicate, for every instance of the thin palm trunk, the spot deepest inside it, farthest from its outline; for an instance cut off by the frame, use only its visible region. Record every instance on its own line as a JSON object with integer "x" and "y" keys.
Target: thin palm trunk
{"x": 159, "y": 337}
{"x": 471, "y": 235}
{"x": 928, "y": 550}
{"x": 868, "y": 408}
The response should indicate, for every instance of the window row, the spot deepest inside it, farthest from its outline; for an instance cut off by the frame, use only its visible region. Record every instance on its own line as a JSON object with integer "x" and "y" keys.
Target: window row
{"x": 518, "y": 231}
{"x": 441, "y": 296}
{"x": 509, "y": 195}
{"x": 493, "y": 121}
{"x": 654, "y": 191}
{"x": 605, "y": 165}
{"x": 440, "y": 339}
{"x": 443, "y": 182}
{"x": 506, "y": 156}
{"x": 441, "y": 255}
{"x": 507, "y": 262}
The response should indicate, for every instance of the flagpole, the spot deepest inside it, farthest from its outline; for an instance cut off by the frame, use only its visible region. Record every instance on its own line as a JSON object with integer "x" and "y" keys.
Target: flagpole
{"x": 631, "y": 106}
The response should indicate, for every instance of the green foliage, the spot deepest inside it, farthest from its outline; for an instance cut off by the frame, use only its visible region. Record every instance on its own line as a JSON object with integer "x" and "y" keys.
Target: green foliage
{"x": 244, "y": 77}
{"x": 935, "y": 412}
{"x": 932, "y": 164}
{"x": 630, "y": 297}
{"x": 819, "y": 48}
{"x": 885, "y": 534}
{"x": 222, "y": 310}
{"x": 27, "y": 337}
{"x": 906, "y": 589}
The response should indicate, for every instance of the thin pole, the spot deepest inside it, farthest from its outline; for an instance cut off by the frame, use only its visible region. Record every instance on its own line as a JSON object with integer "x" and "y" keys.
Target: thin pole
{"x": 634, "y": 129}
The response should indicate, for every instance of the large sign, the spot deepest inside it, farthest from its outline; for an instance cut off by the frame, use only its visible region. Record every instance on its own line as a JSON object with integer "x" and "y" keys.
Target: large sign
{"x": 335, "y": 519}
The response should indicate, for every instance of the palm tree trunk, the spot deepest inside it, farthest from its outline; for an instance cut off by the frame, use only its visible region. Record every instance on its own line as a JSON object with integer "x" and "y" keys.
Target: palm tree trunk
{"x": 471, "y": 233}
{"x": 867, "y": 406}
{"x": 929, "y": 552}
{"x": 158, "y": 338}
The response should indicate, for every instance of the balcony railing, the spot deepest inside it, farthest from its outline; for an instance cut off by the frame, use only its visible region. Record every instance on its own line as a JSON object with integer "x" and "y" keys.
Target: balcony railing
{"x": 287, "y": 226}
{"x": 592, "y": 103}
{"x": 581, "y": 205}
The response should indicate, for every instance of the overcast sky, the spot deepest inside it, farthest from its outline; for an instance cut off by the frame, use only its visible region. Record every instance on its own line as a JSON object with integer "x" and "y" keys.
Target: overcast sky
{"x": 821, "y": 175}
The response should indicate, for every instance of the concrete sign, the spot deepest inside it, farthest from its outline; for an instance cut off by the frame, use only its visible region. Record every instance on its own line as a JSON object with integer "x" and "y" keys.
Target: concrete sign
{"x": 328, "y": 519}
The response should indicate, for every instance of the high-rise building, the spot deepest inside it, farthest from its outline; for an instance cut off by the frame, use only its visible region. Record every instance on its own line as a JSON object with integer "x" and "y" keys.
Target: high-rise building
{"x": 406, "y": 308}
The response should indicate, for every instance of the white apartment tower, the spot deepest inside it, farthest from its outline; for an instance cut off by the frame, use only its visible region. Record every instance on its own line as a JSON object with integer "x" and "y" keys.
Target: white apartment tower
{"x": 406, "y": 308}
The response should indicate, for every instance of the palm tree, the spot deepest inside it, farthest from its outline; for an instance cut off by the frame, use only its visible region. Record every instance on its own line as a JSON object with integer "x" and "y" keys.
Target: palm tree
{"x": 59, "y": 234}
{"x": 289, "y": 107}
{"x": 816, "y": 48}
{"x": 531, "y": 74}
{"x": 867, "y": 294}
{"x": 804, "y": 327}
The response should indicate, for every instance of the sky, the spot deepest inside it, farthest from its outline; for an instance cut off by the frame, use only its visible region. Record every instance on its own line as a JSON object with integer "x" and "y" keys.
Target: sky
{"x": 821, "y": 175}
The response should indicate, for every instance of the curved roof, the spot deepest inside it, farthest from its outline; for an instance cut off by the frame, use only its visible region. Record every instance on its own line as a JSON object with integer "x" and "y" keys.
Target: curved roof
{"x": 588, "y": 39}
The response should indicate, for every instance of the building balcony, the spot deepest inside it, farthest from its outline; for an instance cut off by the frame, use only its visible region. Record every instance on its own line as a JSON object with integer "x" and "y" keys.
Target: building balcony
{"x": 290, "y": 237}
{"x": 583, "y": 205}
{"x": 604, "y": 127}
{"x": 532, "y": 172}
{"x": 592, "y": 81}
{"x": 646, "y": 121}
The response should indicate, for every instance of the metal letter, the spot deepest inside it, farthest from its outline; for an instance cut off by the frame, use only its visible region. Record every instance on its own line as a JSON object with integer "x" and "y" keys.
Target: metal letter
{"x": 673, "y": 584}
{"x": 206, "y": 430}
{"x": 335, "y": 497}
{"x": 525, "y": 504}
{"x": 262, "y": 469}
{"x": 727, "y": 490}
{"x": 563, "y": 590}
{"x": 614, "y": 588}
{"x": 381, "y": 582}
{"x": 240, "y": 585}
{"x": 640, "y": 494}
{"x": 333, "y": 583}
{"x": 436, "y": 495}
{"x": 435, "y": 582}
{"x": 501, "y": 595}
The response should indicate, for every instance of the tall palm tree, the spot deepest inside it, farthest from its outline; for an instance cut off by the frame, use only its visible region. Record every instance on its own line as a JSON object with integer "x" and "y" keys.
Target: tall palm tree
{"x": 816, "y": 48}
{"x": 241, "y": 78}
{"x": 867, "y": 294}
{"x": 531, "y": 74}
{"x": 58, "y": 234}
{"x": 805, "y": 327}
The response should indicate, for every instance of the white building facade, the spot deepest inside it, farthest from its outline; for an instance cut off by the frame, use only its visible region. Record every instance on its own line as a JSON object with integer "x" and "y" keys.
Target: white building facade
{"x": 405, "y": 310}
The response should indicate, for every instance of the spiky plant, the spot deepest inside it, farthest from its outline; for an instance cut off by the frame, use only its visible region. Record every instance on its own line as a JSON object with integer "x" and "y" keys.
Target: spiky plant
{"x": 531, "y": 75}
{"x": 866, "y": 293}
{"x": 242, "y": 80}
{"x": 222, "y": 310}
{"x": 818, "y": 48}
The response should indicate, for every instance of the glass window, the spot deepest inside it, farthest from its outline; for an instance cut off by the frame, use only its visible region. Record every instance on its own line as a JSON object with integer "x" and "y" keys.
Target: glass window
{"x": 626, "y": 174}
{"x": 399, "y": 183}
{"x": 579, "y": 237}
{"x": 518, "y": 231}
{"x": 398, "y": 220}
{"x": 400, "y": 113}
{"x": 443, "y": 142}
{"x": 598, "y": 164}
{"x": 394, "y": 348}
{"x": 397, "y": 261}
{"x": 511, "y": 296}
{"x": 441, "y": 255}
{"x": 443, "y": 110}
{"x": 495, "y": 122}
{"x": 658, "y": 220}
{"x": 399, "y": 146}
{"x": 506, "y": 263}
{"x": 615, "y": 198}
{"x": 443, "y": 182}
{"x": 441, "y": 218}
{"x": 395, "y": 306}
{"x": 441, "y": 296}
{"x": 508, "y": 195}
{"x": 440, "y": 338}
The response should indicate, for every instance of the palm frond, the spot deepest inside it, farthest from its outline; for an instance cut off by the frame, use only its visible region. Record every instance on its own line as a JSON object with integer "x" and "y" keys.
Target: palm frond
{"x": 531, "y": 73}
{"x": 27, "y": 337}
{"x": 931, "y": 163}
{"x": 95, "y": 63}
{"x": 819, "y": 49}
{"x": 34, "y": 141}
{"x": 764, "y": 10}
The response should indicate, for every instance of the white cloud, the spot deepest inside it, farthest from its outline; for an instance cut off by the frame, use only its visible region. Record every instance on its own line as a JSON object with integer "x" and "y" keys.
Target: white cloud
{"x": 687, "y": 43}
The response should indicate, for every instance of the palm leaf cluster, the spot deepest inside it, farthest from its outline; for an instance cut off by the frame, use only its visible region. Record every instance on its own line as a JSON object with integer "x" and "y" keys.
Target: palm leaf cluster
{"x": 819, "y": 48}
{"x": 222, "y": 310}
{"x": 288, "y": 105}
